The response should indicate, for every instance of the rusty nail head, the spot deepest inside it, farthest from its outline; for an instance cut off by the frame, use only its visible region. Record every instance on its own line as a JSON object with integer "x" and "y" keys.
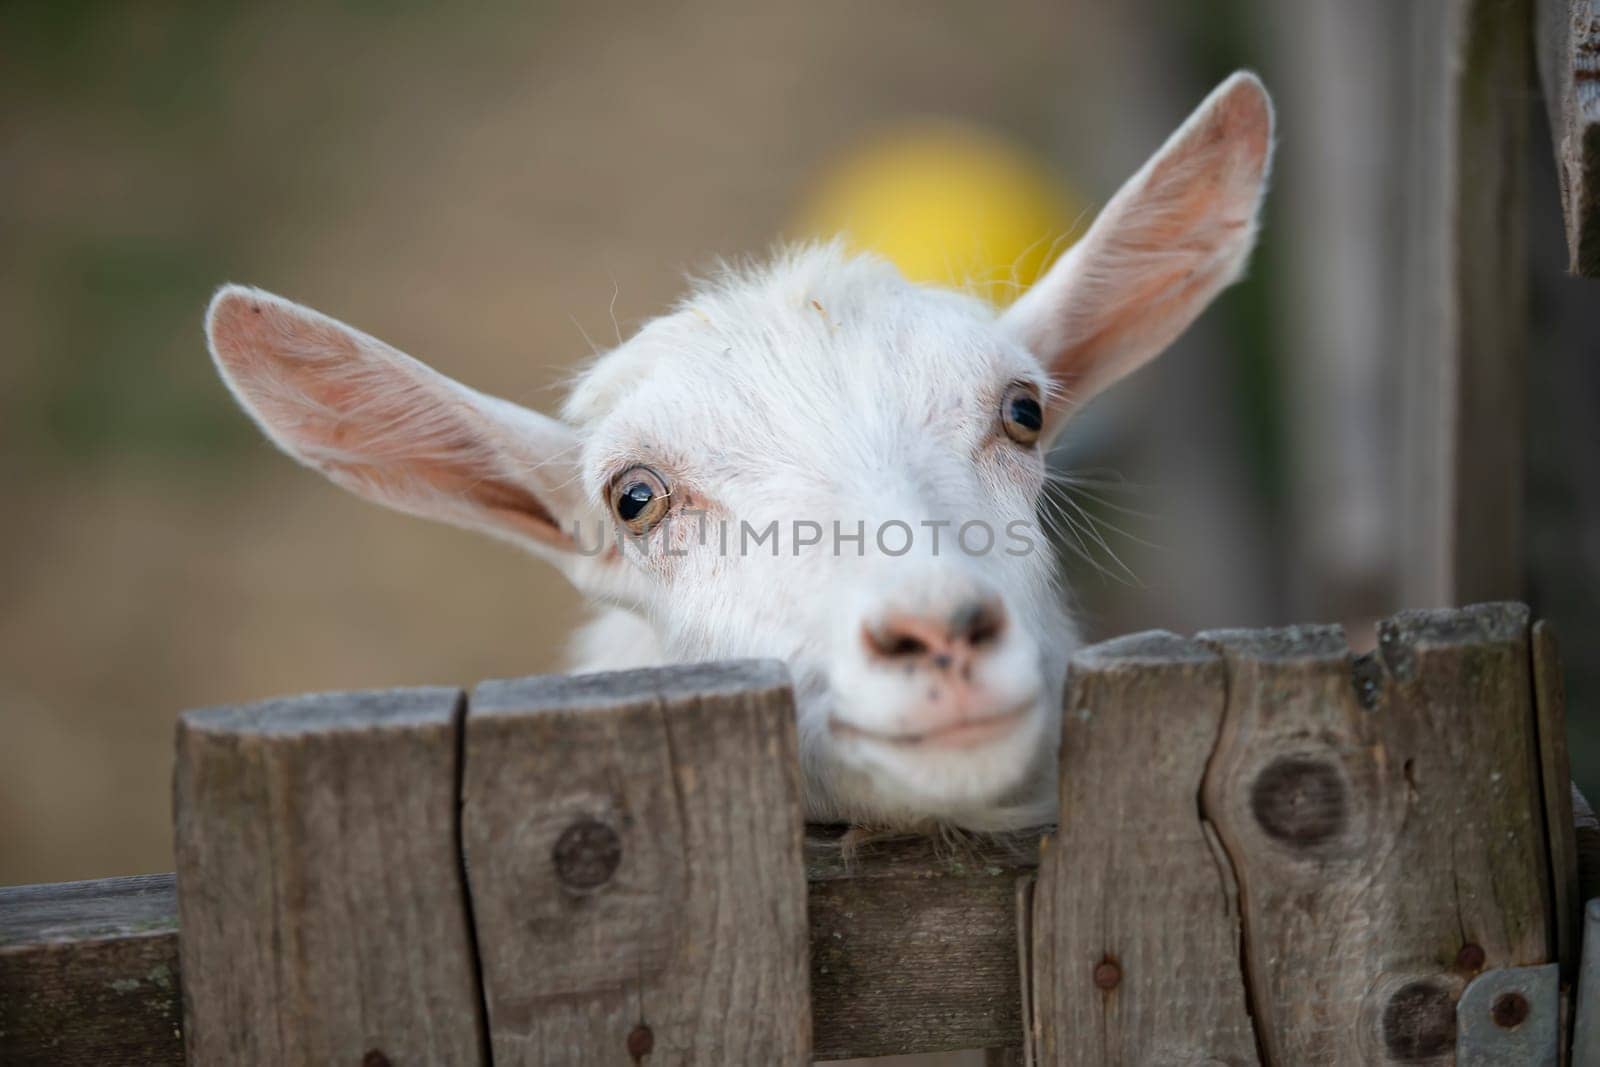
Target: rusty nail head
{"x": 1107, "y": 975}
{"x": 1509, "y": 1010}
{"x": 587, "y": 854}
{"x": 1471, "y": 957}
{"x": 641, "y": 1042}
{"x": 374, "y": 1058}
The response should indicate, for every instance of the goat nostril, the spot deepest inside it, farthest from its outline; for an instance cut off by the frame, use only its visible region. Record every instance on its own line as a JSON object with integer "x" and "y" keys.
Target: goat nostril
{"x": 903, "y": 646}
{"x": 894, "y": 644}
{"x": 942, "y": 661}
{"x": 978, "y": 623}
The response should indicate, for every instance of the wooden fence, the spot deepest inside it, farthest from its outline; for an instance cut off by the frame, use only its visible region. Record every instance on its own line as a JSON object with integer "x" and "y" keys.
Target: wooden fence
{"x": 1270, "y": 851}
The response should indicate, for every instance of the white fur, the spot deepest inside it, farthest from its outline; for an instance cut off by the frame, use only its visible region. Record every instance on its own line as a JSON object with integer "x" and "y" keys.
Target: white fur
{"x": 820, "y": 387}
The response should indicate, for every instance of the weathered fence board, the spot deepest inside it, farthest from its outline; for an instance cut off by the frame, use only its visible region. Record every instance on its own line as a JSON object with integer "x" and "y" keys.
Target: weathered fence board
{"x": 319, "y": 882}
{"x": 89, "y": 973}
{"x": 1459, "y": 491}
{"x": 941, "y": 917}
{"x": 633, "y": 851}
{"x": 1569, "y": 66}
{"x": 1384, "y": 820}
{"x": 1135, "y": 920}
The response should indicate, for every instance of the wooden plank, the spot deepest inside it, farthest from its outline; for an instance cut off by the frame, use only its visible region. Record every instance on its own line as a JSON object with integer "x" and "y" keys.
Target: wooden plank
{"x": 633, "y": 849}
{"x": 1135, "y": 921}
{"x": 1383, "y": 818}
{"x": 89, "y": 973}
{"x": 1569, "y": 67}
{"x": 1464, "y": 381}
{"x": 1555, "y": 775}
{"x": 914, "y": 943}
{"x": 320, "y": 896}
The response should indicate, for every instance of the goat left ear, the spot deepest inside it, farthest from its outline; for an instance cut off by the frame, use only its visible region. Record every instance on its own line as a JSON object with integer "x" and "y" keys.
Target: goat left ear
{"x": 1174, "y": 236}
{"x": 392, "y": 430}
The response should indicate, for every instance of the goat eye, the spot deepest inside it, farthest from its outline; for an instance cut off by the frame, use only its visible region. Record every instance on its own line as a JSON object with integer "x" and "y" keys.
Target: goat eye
{"x": 639, "y": 498}
{"x": 1020, "y": 413}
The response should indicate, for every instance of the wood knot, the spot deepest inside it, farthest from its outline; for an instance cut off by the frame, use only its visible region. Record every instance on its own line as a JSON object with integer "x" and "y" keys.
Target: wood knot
{"x": 1300, "y": 801}
{"x": 1419, "y": 1022}
{"x": 587, "y": 854}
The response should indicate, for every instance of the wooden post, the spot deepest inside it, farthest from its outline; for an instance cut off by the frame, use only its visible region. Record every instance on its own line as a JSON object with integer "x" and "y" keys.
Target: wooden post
{"x": 1273, "y": 851}
{"x": 633, "y": 847}
{"x": 1460, "y": 484}
{"x": 320, "y": 899}
{"x": 1384, "y": 819}
{"x": 1569, "y": 66}
{"x": 1135, "y": 918}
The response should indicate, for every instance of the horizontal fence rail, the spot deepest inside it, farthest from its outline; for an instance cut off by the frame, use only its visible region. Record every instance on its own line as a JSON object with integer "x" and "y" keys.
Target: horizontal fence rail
{"x": 1271, "y": 851}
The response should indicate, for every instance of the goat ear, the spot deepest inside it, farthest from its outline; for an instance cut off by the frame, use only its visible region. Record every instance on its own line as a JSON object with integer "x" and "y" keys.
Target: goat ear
{"x": 388, "y": 428}
{"x": 1174, "y": 236}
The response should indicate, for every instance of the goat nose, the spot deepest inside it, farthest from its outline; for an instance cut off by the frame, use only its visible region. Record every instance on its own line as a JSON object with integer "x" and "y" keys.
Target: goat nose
{"x": 943, "y": 642}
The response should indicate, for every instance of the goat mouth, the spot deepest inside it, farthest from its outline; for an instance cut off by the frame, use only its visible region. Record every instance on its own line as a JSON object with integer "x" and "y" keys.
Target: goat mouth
{"x": 964, "y": 734}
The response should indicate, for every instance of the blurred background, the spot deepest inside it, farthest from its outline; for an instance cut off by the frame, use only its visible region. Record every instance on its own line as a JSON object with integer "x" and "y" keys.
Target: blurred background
{"x": 498, "y": 189}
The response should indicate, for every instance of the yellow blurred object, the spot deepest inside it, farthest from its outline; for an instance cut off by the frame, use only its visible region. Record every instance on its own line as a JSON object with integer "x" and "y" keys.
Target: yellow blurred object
{"x": 950, "y": 204}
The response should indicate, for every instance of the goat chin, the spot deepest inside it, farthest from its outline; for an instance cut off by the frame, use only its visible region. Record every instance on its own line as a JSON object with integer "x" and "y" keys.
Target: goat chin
{"x": 1001, "y": 784}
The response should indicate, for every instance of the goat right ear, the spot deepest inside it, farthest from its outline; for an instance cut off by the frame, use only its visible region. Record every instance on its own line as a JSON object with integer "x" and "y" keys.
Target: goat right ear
{"x": 1173, "y": 237}
{"x": 391, "y": 430}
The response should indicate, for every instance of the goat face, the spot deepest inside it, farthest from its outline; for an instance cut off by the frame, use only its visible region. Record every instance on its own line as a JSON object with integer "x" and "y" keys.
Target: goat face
{"x": 813, "y": 460}
{"x": 826, "y": 464}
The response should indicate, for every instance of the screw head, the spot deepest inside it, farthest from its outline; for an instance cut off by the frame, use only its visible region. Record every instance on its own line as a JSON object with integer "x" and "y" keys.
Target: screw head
{"x": 1509, "y": 1010}
{"x": 586, "y": 855}
{"x": 641, "y": 1042}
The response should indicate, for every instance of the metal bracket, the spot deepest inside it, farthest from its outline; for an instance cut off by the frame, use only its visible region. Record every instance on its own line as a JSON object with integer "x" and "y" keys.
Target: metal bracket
{"x": 1511, "y": 1015}
{"x": 1586, "y": 1034}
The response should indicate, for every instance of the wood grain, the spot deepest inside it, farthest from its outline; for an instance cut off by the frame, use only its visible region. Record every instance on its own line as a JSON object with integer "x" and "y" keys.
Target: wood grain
{"x": 1383, "y": 817}
{"x": 1135, "y": 920}
{"x": 89, "y": 973}
{"x": 319, "y": 886}
{"x": 914, "y": 944}
{"x": 1569, "y": 67}
{"x": 1459, "y": 490}
{"x": 633, "y": 847}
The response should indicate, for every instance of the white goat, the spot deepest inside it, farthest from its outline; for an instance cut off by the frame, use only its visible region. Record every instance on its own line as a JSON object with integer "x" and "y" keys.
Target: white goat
{"x": 862, "y": 415}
